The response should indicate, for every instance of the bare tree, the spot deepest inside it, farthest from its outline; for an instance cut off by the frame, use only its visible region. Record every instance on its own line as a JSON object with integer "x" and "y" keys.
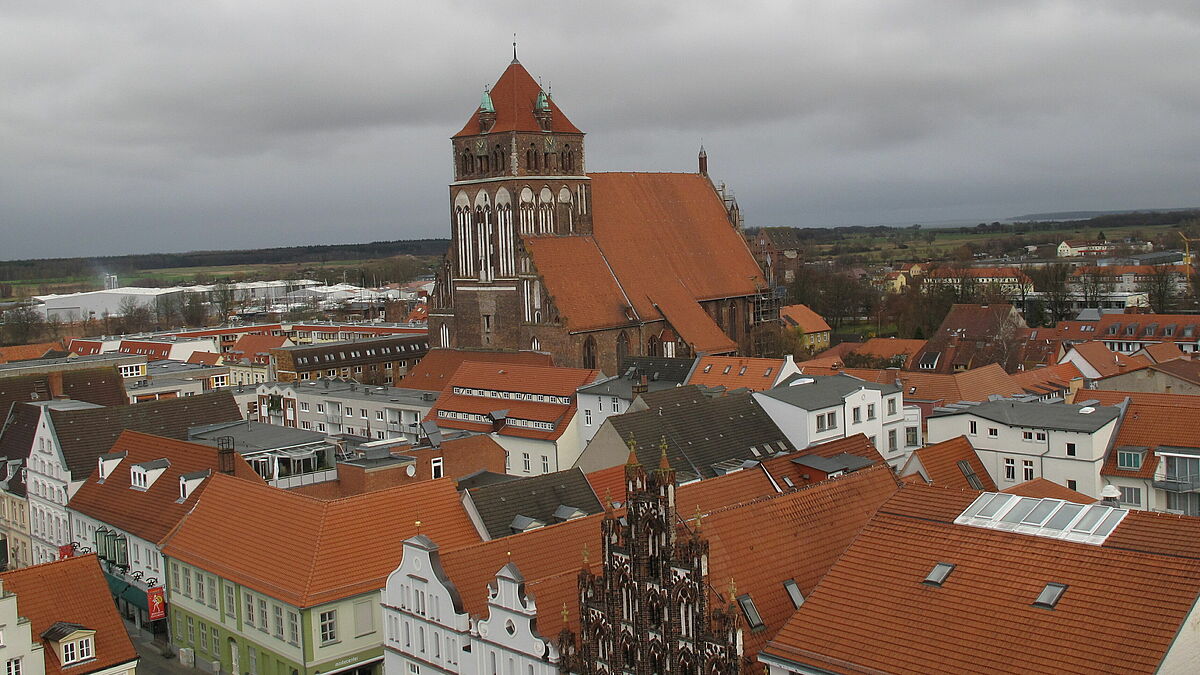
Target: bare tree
{"x": 1159, "y": 287}
{"x": 22, "y": 325}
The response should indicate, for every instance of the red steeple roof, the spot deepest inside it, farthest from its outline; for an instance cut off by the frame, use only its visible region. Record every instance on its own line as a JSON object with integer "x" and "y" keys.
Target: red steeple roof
{"x": 514, "y": 96}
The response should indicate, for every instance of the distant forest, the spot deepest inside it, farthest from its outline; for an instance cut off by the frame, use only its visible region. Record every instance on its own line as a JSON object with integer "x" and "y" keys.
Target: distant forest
{"x": 57, "y": 268}
{"x": 1114, "y": 221}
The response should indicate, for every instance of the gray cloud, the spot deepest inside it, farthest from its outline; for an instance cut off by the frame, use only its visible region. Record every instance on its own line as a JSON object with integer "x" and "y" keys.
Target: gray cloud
{"x": 175, "y": 125}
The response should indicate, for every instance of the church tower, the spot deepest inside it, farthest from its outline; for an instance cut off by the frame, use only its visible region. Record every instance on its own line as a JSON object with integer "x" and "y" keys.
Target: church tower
{"x": 518, "y": 170}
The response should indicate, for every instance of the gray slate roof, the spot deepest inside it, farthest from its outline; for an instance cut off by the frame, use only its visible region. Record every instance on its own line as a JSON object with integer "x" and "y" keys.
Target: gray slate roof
{"x": 536, "y": 498}
{"x": 700, "y": 430}
{"x": 809, "y": 392}
{"x": 1037, "y": 415}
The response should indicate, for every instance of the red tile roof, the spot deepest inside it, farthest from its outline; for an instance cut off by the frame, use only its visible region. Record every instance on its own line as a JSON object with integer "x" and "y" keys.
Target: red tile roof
{"x": 1181, "y": 368}
{"x": 1047, "y": 489}
{"x": 72, "y": 591}
{"x": 941, "y": 464}
{"x": 435, "y": 369}
{"x": 660, "y": 243}
{"x": 1180, "y": 321}
{"x": 735, "y": 372}
{"x": 1150, "y": 421}
{"x": 257, "y": 348}
{"x": 204, "y": 358}
{"x": 1163, "y": 351}
{"x": 1153, "y": 532}
{"x": 27, "y": 352}
{"x": 1047, "y": 378}
{"x": 969, "y": 385}
{"x": 513, "y": 97}
{"x": 150, "y": 514}
{"x": 302, "y": 559}
{"x": 803, "y": 318}
{"x": 887, "y": 348}
{"x": 872, "y": 613}
{"x": 1106, "y": 361}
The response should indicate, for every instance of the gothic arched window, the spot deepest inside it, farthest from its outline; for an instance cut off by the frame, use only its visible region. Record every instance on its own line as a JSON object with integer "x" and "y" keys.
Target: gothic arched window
{"x": 652, "y": 346}
{"x": 622, "y": 348}
{"x": 589, "y": 352}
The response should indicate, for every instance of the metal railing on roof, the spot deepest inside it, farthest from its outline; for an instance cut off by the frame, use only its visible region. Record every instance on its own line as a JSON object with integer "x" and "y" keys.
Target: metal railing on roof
{"x": 1178, "y": 483}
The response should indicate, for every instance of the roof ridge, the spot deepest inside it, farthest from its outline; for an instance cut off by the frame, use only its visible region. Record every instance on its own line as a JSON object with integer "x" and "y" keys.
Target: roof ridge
{"x": 313, "y": 554}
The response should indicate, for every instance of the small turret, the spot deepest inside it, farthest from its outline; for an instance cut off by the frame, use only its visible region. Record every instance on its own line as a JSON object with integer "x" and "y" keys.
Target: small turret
{"x": 703, "y": 161}
{"x": 487, "y": 112}
{"x": 541, "y": 110}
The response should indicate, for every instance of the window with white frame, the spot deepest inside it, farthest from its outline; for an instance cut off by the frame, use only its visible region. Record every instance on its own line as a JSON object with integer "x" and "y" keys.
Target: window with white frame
{"x": 1010, "y": 468}
{"x": 137, "y": 478}
{"x": 525, "y": 463}
{"x": 972, "y": 427}
{"x": 870, "y": 411}
{"x": 891, "y": 406}
{"x": 993, "y": 432}
{"x": 437, "y": 465}
{"x": 12, "y": 667}
{"x": 1027, "y": 469}
{"x": 77, "y": 650}
{"x": 857, "y": 415}
{"x": 328, "y": 626}
{"x": 1131, "y": 496}
{"x": 587, "y": 417}
{"x": 1129, "y": 459}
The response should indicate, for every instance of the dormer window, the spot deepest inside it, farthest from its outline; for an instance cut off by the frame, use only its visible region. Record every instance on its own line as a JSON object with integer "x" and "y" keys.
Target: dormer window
{"x": 137, "y": 478}
{"x": 77, "y": 651}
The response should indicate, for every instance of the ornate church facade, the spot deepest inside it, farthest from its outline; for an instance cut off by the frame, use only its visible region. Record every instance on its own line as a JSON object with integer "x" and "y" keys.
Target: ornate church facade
{"x": 589, "y": 267}
{"x": 649, "y": 610}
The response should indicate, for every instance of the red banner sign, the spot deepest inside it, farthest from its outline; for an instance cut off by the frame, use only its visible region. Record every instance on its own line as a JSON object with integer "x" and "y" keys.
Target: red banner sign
{"x": 66, "y": 551}
{"x": 157, "y": 602}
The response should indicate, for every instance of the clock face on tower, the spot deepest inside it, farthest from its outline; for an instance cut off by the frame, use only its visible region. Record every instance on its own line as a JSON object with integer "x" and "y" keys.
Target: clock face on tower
{"x": 480, "y": 146}
{"x": 550, "y": 143}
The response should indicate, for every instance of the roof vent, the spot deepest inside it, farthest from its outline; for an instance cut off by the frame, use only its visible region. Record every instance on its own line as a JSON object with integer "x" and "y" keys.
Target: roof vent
{"x": 1087, "y": 410}
{"x": 937, "y": 575}
{"x": 1050, "y": 595}
{"x": 801, "y": 380}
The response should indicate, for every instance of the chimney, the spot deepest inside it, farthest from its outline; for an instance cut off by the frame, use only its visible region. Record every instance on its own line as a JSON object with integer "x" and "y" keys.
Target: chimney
{"x": 225, "y": 454}
{"x": 640, "y": 386}
{"x": 703, "y": 159}
{"x": 55, "y": 382}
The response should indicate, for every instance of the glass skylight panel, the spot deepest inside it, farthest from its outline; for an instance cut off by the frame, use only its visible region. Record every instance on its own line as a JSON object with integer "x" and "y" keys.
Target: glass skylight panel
{"x": 1017, "y": 513}
{"x": 1053, "y": 518}
{"x": 1050, "y": 595}
{"x": 1041, "y": 512}
{"x": 938, "y": 574}
{"x": 1109, "y": 523}
{"x": 1063, "y": 516}
{"x": 993, "y": 507}
{"x": 1089, "y": 519}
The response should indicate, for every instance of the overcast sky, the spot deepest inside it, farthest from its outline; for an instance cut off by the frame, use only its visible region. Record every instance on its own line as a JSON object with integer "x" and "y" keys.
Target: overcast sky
{"x": 164, "y": 125}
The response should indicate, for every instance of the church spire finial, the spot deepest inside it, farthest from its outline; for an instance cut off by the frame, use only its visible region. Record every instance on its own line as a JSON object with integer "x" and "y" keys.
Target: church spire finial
{"x": 515, "y": 49}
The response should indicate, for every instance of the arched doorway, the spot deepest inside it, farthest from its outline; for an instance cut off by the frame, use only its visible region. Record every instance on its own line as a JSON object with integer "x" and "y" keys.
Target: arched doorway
{"x": 234, "y": 657}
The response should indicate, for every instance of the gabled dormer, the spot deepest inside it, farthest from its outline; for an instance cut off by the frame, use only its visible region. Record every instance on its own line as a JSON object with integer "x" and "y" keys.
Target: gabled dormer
{"x": 106, "y": 464}
{"x": 143, "y": 475}
{"x": 188, "y": 482}
{"x": 72, "y": 642}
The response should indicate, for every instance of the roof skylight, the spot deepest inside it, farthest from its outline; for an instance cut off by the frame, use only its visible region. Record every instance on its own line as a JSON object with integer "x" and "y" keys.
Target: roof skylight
{"x": 938, "y": 574}
{"x": 1052, "y": 518}
{"x": 1050, "y": 595}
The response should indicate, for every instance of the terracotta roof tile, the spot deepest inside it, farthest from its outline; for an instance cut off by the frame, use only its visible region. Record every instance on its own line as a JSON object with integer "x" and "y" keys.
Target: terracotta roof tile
{"x": 28, "y": 352}
{"x": 513, "y": 97}
{"x": 150, "y": 514}
{"x": 660, "y": 243}
{"x": 435, "y": 369}
{"x": 803, "y": 318}
{"x": 736, "y": 372}
{"x": 320, "y": 536}
{"x": 1163, "y": 533}
{"x": 257, "y": 348}
{"x": 1047, "y": 489}
{"x": 941, "y": 464}
{"x": 1163, "y": 351}
{"x": 872, "y": 613}
{"x": 969, "y": 385}
{"x": 73, "y": 591}
{"x": 1047, "y": 378}
{"x": 887, "y": 348}
{"x": 204, "y": 358}
{"x": 1106, "y": 361}
{"x": 1181, "y": 368}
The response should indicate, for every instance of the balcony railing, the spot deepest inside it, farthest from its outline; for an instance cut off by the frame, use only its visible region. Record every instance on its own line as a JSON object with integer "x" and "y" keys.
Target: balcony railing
{"x": 1178, "y": 483}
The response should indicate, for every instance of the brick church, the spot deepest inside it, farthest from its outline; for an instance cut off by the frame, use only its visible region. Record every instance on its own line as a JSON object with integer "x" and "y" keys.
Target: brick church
{"x": 588, "y": 267}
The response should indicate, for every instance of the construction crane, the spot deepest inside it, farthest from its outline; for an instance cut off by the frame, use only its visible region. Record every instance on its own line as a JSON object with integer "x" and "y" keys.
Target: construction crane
{"x": 1187, "y": 250}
